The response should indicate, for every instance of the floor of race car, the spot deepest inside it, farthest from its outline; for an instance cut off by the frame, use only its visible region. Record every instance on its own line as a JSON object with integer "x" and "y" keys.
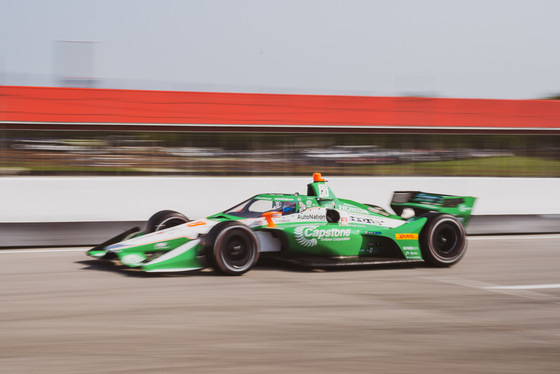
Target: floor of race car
{"x": 352, "y": 261}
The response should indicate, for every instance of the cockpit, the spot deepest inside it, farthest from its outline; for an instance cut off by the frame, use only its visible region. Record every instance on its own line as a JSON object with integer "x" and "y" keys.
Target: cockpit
{"x": 255, "y": 207}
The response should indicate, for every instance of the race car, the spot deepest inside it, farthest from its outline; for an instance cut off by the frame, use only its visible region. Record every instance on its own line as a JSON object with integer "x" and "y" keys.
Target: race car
{"x": 317, "y": 230}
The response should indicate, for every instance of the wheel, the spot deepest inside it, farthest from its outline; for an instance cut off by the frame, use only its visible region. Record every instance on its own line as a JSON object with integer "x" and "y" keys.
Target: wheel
{"x": 442, "y": 240}
{"x": 232, "y": 248}
{"x": 163, "y": 220}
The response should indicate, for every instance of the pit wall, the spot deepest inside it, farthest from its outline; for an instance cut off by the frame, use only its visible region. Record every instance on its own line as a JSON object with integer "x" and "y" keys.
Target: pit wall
{"x": 90, "y": 199}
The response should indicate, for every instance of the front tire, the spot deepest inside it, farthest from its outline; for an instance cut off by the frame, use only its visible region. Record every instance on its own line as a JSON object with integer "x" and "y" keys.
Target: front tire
{"x": 232, "y": 248}
{"x": 442, "y": 240}
{"x": 165, "y": 219}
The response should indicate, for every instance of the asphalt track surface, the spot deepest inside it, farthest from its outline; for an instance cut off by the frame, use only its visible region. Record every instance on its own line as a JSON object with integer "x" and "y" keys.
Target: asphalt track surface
{"x": 497, "y": 311}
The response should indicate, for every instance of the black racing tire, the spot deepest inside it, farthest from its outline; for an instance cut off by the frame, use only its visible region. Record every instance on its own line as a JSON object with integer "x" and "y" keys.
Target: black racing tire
{"x": 165, "y": 219}
{"x": 443, "y": 240}
{"x": 231, "y": 248}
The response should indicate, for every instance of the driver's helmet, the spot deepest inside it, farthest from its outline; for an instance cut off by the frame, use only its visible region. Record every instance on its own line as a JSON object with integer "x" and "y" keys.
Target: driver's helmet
{"x": 289, "y": 208}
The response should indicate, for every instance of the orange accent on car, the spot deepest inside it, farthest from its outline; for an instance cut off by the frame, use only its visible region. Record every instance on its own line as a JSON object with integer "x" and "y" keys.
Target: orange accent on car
{"x": 268, "y": 216}
{"x": 317, "y": 177}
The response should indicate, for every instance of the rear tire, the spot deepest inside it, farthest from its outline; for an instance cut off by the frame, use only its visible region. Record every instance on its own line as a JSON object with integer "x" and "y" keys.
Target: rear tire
{"x": 442, "y": 240}
{"x": 165, "y": 219}
{"x": 232, "y": 248}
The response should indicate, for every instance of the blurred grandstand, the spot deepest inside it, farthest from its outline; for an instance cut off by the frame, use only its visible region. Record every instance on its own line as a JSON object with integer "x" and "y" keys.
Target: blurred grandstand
{"x": 69, "y": 153}
{"x": 78, "y": 131}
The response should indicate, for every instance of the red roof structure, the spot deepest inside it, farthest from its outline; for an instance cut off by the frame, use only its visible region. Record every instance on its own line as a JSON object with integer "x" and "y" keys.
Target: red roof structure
{"x": 56, "y": 108}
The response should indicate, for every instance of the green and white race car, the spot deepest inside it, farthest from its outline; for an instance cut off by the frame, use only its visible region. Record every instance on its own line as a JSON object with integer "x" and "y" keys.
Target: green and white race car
{"x": 317, "y": 229}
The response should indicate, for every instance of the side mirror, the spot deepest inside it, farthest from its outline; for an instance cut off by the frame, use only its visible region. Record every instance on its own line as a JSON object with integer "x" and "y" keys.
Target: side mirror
{"x": 269, "y": 215}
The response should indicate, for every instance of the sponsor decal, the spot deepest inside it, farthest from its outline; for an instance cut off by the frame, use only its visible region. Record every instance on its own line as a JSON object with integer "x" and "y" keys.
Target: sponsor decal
{"x": 427, "y": 198}
{"x": 312, "y": 217}
{"x": 132, "y": 260}
{"x": 323, "y": 191}
{"x": 373, "y": 232}
{"x": 411, "y": 252}
{"x": 309, "y": 236}
{"x": 464, "y": 208}
{"x": 284, "y": 198}
{"x": 378, "y": 211}
{"x": 302, "y": 239}
{"x": 161, "y": 245}
{"x": 344, "y": 221}
{"x": 196, "y": 223}
{"x": 353, "y": 209}
{"x": 406, "y": 236}
{"x": 369, "y": 220}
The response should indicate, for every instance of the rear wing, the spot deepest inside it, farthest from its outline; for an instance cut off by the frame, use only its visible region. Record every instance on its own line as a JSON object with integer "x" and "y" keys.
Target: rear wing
{"x": 423, "y": 202}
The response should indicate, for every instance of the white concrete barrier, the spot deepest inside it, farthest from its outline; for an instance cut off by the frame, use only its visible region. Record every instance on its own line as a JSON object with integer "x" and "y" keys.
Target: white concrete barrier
{"x": 83, "y": 199}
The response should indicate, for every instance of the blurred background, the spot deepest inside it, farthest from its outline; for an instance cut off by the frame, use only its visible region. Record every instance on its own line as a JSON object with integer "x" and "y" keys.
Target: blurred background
{"x": 45, "y": 152}
{"x": 497, "y": 56}
{"x": 265, "y": 88}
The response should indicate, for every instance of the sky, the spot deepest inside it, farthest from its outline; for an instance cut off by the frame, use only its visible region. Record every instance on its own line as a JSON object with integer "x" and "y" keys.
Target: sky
{"x": 499, "y": 49}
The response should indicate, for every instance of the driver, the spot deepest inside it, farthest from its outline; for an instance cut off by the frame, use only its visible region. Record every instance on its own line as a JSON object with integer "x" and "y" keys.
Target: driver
{"x": 289, "y": 208}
